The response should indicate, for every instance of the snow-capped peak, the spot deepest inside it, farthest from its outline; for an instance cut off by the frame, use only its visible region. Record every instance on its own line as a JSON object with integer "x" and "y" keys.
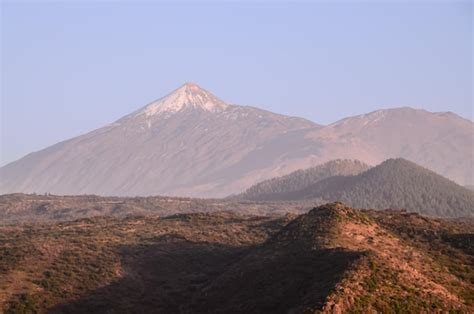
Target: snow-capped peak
{"x": 189, "y": 95}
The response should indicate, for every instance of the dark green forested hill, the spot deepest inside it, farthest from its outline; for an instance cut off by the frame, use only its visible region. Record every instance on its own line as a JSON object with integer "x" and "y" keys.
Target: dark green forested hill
{"x": 395, "y": 183}
{"x": 277, "y": 188}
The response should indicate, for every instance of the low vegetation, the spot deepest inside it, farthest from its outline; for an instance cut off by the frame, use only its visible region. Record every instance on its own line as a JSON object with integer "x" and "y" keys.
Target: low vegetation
{"x": 24, "y": 208}
{"x": 332, "y": 258}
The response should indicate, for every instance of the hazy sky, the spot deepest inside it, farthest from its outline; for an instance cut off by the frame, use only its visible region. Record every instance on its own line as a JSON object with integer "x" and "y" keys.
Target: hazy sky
{"x": 68, "y": 68}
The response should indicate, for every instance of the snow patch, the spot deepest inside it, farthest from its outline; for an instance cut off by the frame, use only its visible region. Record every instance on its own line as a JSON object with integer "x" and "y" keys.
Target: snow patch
{"x": 187, "y": 96}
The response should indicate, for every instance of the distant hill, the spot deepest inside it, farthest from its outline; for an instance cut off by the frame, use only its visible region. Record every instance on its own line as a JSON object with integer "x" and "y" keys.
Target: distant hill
{"x": 333, "y": 259}
{"x": 277, "y": 188}
{"x": 395, "y": 183}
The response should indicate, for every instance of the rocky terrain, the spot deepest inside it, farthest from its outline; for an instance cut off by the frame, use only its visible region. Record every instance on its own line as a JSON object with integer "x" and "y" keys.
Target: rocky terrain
{"x": 333, "y": 259}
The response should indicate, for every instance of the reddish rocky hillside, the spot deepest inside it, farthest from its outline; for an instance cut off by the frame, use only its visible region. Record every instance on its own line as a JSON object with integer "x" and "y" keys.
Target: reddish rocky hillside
{"x": 332, "y": 259}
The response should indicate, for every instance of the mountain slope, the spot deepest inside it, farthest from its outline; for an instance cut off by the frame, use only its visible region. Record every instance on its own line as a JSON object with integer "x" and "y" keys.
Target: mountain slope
{"x": 440, "y": 141}
{"x": 395, "y": 183}
{"x": 276, "y": 188}
{"x": 186, "y": 143}
{"x": 191, "y": 143}
{"x": 333, "y": 259}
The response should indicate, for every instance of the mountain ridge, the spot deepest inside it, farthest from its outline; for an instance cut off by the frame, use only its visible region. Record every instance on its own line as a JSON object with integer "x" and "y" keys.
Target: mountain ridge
{"x": 200, "y": 146}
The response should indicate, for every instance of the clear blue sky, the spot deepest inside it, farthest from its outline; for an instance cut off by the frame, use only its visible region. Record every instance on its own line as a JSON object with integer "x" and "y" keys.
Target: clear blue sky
{"x": 68, "y": 68}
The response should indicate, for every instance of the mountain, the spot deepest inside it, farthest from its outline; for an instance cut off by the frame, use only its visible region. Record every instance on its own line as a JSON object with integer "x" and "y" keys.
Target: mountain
{"x": 276, "y": 188}
{"x": 395, "y": 183}
{"x": 191, "y": 143}
{"x": 187, "y": 143}
{"x": 440, "y": 141}
{"x": 333, "y": 259}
